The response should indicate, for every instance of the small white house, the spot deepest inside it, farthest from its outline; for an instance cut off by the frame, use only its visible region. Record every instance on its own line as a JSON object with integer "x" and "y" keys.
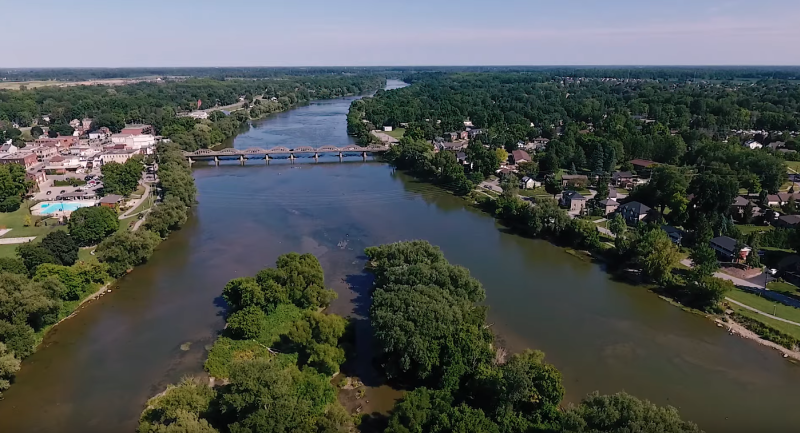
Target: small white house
{"x": 752, "y": 144}
{"x": 529, "y": 183}
{"x": 387, "y": 129}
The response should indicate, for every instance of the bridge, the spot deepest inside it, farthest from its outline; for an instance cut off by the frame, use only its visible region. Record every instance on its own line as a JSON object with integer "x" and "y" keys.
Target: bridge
{"x": 258, "y": 153}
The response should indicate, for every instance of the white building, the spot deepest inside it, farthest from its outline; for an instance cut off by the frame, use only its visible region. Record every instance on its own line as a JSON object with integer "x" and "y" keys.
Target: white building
{"x": 44, "y": 152}
{"x": 752, "y": 144}
{"x": 137, "y": 141}
{"x": 97, "y": 135}
{"x": 117, "y": 155}
{"x": 201, "y": 115}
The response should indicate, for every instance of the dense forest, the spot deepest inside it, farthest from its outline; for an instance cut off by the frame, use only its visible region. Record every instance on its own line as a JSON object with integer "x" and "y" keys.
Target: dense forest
{"x": 158, "y": 104}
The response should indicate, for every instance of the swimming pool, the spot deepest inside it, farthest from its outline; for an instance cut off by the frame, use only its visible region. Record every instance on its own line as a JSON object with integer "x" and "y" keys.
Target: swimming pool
{"x": 48, "y": 208}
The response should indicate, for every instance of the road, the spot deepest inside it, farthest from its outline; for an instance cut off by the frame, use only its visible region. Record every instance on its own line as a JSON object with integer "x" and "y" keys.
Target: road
{"x": 138, "y": 201}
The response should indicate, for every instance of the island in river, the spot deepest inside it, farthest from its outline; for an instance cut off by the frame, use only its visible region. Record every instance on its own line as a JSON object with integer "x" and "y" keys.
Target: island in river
{"x": 96, "y": 370}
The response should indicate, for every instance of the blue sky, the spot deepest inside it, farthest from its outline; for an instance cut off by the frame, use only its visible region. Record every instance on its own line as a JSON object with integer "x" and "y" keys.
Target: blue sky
{"x": 94, "y": 33}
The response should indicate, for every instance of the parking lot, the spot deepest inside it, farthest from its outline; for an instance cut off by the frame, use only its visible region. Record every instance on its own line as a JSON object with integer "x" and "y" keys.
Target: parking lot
{"x": 52, "y": 192}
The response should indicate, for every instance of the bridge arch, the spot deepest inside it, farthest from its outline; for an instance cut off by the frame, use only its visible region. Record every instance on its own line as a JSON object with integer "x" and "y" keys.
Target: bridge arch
{"x": 304, "y": 149}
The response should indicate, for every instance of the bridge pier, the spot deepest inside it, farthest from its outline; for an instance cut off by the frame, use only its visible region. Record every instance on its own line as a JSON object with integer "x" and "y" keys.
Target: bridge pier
{"x": 291, "y": 157}
{"x": 364, "y": 155}
{"x": 316, "y": 157}
{"x": 340, "y": 156}
{"x": 216, "y": 160}
{"x": 191, "y": 161}
{"x": 241, "y": 159}
{"x": 266, "y": 158}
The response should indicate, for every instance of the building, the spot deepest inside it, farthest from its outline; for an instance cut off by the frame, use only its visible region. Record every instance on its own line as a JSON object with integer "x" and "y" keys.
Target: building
{"x": 387, "y": 129}
{"x": 137, "y": 130}
{"x": 773, "y": 200}
{"x": 573, "y": 201}
{"x": 574, "y": 180}
{"x": 132, "y": 141}
{"x": 675, "y": 234}
{"x": 738, "y": 205}
{"x": 98, "y": 135}
{"x": 77, "y": 195}
{"x": 463, "y": 135}
{"x": 726, "y": 248}
{"x": 528, "y": 182}
{"x": 111, "y": 200}
{"x": 44, "y": 152}
{"x": 633, "y": 212}
{"x": 619, "y": 178}
{"x": 787, "y": 221}
{"x": 451, "y": 136}
{"x": 642, "y": 164}
{"x": 8, "y": 148}
{"x": 61, "y": 142}
{"x": 26, "y": 159}
{"x": 200, "y": 115}
{"x": 472, "y": 133}
{"x": 752, "y": 144}
{"x": 62, "y": 164}
{"x": 117, "y": 155}
{"x": 609, "y": 206}
{"x": 518, "y": 156}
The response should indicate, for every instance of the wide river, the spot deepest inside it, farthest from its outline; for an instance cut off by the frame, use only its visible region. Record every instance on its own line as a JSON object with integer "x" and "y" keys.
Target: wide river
{"x": 96, "y": 370}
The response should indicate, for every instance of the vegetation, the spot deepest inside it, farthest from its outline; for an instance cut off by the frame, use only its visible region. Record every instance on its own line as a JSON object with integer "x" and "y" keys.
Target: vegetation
{"x": 122, "y": 179}
{"x": 274, "y": 312}
{"x": 433, "y": 337}
{"x": 90, "y": 225}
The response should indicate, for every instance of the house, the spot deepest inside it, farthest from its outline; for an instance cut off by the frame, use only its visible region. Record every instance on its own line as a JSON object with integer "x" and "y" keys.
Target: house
{"x": 573, "y": 201}
{"x": 528, "y": 182}
{"x": 518, "y": 156}
{"x": 136, "y": 129}
{"x": 642, "y": 164}
{"x": 574, "y": 180}
{"x": 8, "y": 148}
{"x": 775, "y": 145}
{"x": 540, "y": 142}
{"x": 62, "y": 164}
{"x": 117, "y": 155}
{"x": 387, "y": 129}
{"x": 787, "y": 221}
{"x": 633, "y": 212}
{"x": 726, "y": 248}
{"x": 463, "y": 135}
{"x": 609, "y": 206}
{"x": 98, "y": 135}
{"x": 86, "y": 124}
{"x": 738, "y": 205}
{"x": 451, "y": 136}
{"x": 472, "y": 133}
{"x": 619, "y": 178}
{"x": 773, "y": 200}
{"x": 111, "y": 200}
{"x": 675, "y": 234}
{"x": 752, "y": 144}
{"x": 60, "y": 141}
{"x": 461, "y": 157}
{"x": 37, "y": 176}
{"x": 25, "y": 158}
{"x": 44, "y": 152}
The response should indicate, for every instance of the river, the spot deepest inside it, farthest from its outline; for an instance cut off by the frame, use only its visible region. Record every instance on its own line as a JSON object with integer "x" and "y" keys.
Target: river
{"x": 96, "y": 370}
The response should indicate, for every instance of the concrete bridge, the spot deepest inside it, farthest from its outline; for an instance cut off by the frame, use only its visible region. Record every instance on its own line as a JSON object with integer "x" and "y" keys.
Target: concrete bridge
{"x": 258, "y": 153}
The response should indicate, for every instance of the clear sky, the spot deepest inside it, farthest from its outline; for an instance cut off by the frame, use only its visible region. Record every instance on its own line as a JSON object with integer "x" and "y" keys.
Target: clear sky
{"x": 93, "y": 33}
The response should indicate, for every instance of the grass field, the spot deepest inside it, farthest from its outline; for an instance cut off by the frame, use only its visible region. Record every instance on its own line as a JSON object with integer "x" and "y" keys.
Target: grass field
{"x": 794, "y": 165}
{"x": 396, "y": 133}
{"x": 765, "y": 305}
{"x": 747, "y": 229}
{"x": 16, "y": 222}
{"x": 787, "y": 328}
{"x": 15, "y": 85}
{"x": 786, "y": 288}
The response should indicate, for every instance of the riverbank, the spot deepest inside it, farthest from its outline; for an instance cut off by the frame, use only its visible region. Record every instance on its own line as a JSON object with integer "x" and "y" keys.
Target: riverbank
{"x": 739, "y": 330}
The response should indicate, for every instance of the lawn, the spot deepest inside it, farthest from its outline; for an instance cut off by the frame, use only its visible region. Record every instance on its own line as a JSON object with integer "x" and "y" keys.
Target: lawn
{"x": 784, "y": 327}
{"x": 396, "y": 133}
{"x": 794, "y": 165}
{"x": 783, "y": 287}
{"x": 85, "y": 255}
{"x": 16, "y": 222}
{"x": 749, "y": 228}
{"x": 765, "y": 305}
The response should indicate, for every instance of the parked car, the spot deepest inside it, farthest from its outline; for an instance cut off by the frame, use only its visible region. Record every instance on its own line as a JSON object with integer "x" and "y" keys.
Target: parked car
{"x": 88, "y": 178}
{"x": 48, "y": 193}
{"x": 63, "y": 191}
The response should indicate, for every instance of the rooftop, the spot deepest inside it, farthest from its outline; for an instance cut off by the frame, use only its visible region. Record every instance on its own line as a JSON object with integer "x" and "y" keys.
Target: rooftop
{"x": 111, "y": 199}
{"x": 637, "y": 207}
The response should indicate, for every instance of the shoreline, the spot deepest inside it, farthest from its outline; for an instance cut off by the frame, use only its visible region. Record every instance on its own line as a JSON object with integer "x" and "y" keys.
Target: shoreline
{"x": 740, "y": 331}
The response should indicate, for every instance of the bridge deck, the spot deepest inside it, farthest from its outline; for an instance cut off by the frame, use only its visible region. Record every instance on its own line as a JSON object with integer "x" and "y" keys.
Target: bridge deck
{"x": 256, "y": 151}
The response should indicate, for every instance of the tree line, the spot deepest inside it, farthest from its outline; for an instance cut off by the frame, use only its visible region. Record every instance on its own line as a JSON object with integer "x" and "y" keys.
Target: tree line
{"x": 275, "y": 359}
{"x": 431, "y": 329}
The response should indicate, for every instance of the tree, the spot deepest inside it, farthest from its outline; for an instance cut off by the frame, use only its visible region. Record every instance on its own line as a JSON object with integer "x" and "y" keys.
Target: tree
{"x": 431, "y": 411}
{"x": 170, "y": 215}
{"x": 619, "y": 413}
{"x": 656, "y": 254}
{"x": 9, "y": 365}
{"x": 665, "y": 183}
{"x": 36, "y": 131}
{"x": 704, "y": 259}
{"x": 502, "y": 155}
{"x": 90, "y": 225}
{"x": 754, "y": 241}
{"x": 63, "y": 247}
{"x": 13, "y": 266}
{"x": 246, "y": 324}
{"x": 510, "y": 185}
{"x": 617, "y": 225}
{"x": 179, "y": 409}
{"x": 573, "y": 171}
{"x": 124, "y": 250}
{"x": 122, "y": 179}
{"x": 315, "y": 339}
{"x": 611, "y": 160}
{"x": 33, "y": 255}
{"x": 297, "y": 278}
{"x": 530, "y": 169}
{"x": 552, "y": 186}
{"x": 706, "y": 292}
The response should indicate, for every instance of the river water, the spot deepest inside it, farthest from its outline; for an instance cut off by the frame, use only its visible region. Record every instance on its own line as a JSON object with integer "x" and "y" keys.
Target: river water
{"x": 96, "y": 370}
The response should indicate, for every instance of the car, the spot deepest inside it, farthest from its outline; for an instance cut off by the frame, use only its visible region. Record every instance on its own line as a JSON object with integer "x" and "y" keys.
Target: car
{"x": 88, "y": 178}
{"x": 79, "y": 190}
{"x": 48, "y": 193}
{"x": 63, "y": 191}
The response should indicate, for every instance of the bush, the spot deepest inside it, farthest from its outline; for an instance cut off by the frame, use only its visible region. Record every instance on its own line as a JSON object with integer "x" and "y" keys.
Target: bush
{"x": 10, "y": 204}
{"x": 12, "y": 266}
{"x": 124, "y": 250}
{"x": 72, "y": 181}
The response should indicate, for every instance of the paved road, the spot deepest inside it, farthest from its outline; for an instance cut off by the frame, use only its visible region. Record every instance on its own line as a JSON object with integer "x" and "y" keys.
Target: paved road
{"x": 761, "y": 312}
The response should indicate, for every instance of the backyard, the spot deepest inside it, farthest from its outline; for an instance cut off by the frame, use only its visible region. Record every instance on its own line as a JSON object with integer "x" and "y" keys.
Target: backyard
{"x": 16, "y": 222}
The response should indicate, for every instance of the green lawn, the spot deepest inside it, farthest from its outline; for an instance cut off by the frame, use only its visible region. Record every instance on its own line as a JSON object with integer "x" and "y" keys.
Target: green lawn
{"x": 782, "y": 287}
{"x": 784, "y": 327}
{"x": 85, "y": 255}
{"x": 16, "y": 222}
{"x": 794, "y": 165}
{"x": 765, "y": 305}
{"x": 396, "y": 133}
{"x": 749, "y": 228}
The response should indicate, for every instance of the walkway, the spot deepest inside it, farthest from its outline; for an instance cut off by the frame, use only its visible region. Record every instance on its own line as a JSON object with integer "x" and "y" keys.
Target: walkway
{"x": 761, "y": 312}
{"x": 9, "y": 241}
{"x": 138, "y": 202}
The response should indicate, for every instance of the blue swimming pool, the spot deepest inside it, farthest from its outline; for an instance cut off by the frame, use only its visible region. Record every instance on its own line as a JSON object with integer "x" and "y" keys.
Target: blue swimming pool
{"x": 48, "y": 208}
